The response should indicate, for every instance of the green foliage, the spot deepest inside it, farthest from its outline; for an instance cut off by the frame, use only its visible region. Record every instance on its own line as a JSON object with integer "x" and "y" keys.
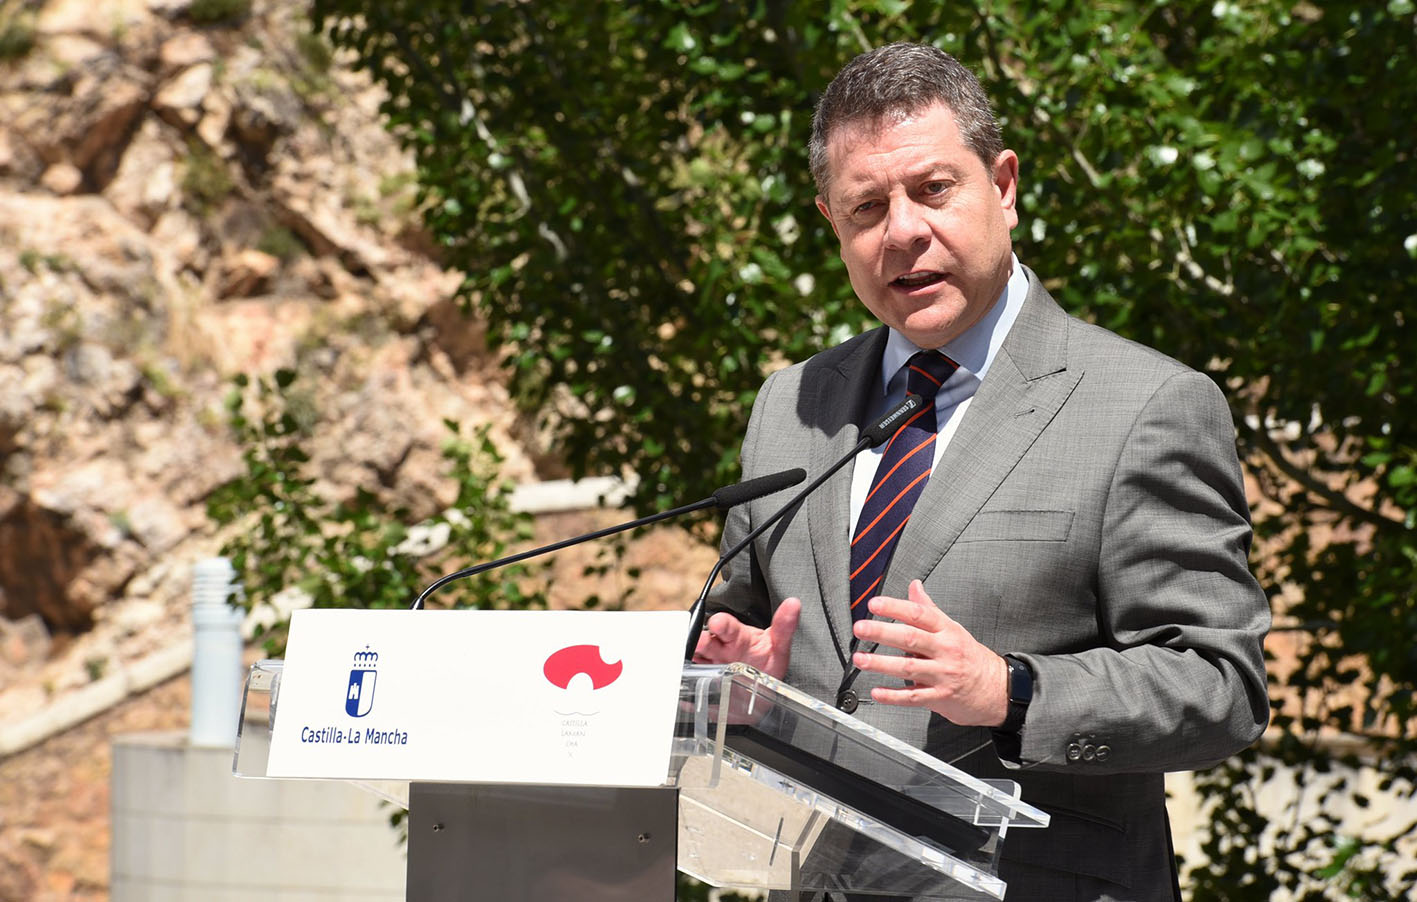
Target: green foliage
{"x": 65, "y": 323}
{"x": 32, "y": 260}
{"x": 16, "y": 36}
{"x": 121, "y": 521}
{"x": 212, "y": 12}
{"x": 315, "y": 51}
{"x": 556, "y": 172}
{"x": 206, "y": 181}
{"x": 691, "y": 890}
{"x": 280, "y": 242}
{"x": 625, "y": 185}
{"x": 95, "y": 667}
{"x": 310, "y": 77}
{"x": 160, "y": 380}
{"x": 356, "y": 552}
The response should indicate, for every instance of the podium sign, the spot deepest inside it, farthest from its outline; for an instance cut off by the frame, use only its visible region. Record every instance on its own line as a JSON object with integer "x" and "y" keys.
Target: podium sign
{"x": 550, "y": 755}
{"x": 544, "y": 697}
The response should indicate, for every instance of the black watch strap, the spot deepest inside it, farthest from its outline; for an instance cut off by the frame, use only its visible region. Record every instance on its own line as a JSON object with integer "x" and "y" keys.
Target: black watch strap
{"x": 1020, "y": 694}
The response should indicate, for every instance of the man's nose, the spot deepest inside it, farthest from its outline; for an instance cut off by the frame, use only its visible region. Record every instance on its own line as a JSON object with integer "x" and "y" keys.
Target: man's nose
{"x": 906, "y": 225}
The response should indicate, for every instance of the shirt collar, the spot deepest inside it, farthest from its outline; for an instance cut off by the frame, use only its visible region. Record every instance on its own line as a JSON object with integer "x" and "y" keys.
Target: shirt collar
{"x": 976, "y": 348}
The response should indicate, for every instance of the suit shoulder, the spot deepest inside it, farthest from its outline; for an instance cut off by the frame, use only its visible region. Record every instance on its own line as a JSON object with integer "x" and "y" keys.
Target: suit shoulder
{"x": 1114, "y": 370}
{"x": 1105, "y": 352}
{"x": 1129, "y": 378}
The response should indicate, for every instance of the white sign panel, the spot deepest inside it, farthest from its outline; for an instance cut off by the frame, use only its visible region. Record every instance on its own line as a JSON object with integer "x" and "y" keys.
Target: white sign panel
{"x": 558, "y": 697}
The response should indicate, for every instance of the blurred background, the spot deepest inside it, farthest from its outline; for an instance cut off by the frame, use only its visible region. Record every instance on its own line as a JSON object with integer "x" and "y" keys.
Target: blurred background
{"x": 354, "y": 293}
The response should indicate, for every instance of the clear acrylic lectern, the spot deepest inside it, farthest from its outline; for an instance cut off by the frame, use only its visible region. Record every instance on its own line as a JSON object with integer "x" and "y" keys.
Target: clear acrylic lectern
{"x": 767, "y": 788}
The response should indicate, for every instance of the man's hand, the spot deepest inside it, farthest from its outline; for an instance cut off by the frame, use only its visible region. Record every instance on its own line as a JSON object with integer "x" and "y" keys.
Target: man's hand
{"x": 946, "y": 670}
{"x": 727, "y": 639}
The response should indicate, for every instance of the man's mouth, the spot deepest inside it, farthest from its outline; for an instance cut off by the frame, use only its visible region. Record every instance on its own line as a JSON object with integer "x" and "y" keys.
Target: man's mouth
{"x": 918, "y": 279}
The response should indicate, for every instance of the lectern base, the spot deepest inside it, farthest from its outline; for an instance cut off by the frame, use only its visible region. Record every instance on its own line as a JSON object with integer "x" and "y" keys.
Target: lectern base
{"x": 469, "y": 843}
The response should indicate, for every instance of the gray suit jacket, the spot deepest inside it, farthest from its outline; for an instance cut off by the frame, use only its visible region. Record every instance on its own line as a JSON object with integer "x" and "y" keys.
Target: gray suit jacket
{"x": 1088, "y": 516}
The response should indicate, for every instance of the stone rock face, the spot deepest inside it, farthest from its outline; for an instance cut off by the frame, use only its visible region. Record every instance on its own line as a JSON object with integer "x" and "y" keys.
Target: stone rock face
{"x": 180, "y": 100}
{"x": 43, "y": 555}
{"x": 24, "y": 642}
{"x": 85, "y": 121}
{"x": 184, "y": 49}
{"x": 246, "y": 272}
{"x": 54, "y": 836}
{"x": 17, "y": 159}
{"x": 145, "y": 184}
{"x": 179, "y": 205}
{"x": 62, "y": 178}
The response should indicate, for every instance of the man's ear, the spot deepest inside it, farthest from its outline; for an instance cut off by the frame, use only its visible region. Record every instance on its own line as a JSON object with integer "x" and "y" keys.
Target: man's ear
{"x": 1006, "y": 183}
{"x": 826, "y": 211}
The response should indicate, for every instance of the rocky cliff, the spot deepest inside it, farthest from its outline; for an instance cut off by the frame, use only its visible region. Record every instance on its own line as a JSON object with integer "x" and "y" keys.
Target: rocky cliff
{"x": 181, "y": 201}
{"x": 190, "y": 189}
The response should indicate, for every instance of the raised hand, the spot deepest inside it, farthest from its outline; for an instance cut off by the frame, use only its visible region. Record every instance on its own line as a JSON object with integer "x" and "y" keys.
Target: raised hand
{"x": 945, "y": 668}
{"x": 727, "y": 639}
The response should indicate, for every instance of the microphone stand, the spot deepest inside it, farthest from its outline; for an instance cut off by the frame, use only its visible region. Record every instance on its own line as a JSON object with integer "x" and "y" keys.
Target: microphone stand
{"x": 724, "y": 498}
{"x": 556, "y": 546}
{"x": 870, "y": 438}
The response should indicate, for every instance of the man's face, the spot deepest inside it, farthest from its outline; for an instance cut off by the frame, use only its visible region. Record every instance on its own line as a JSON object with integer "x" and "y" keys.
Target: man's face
{"x": 923, "y": 223}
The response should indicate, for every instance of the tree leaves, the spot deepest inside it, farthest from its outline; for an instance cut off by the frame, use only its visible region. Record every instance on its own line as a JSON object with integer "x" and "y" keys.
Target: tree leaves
{"x": 355, "y": 552}
{"x": 625, "y": 185}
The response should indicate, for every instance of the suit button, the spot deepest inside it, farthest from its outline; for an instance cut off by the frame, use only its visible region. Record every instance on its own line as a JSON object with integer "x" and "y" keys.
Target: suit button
{"x": 847, "y": 701}
{"x": 1074, "y": 751}
{"x": 1104, "y": 752}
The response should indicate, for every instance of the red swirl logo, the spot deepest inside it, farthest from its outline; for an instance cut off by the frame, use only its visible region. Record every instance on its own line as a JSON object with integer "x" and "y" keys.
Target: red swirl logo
{"x": 563, "y": 665}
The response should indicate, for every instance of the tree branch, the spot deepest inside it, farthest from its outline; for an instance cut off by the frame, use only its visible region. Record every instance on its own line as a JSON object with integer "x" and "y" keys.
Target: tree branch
{"x": 1194, "y": 269}
{"x": 1335, "y": 499}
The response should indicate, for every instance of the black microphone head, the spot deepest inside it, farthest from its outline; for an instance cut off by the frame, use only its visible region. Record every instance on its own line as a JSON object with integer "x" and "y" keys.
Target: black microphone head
{"x": 880, "y": 432}
{"x": 748, "y": 490}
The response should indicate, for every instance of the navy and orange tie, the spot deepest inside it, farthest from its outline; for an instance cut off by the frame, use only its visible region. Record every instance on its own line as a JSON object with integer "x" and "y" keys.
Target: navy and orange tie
{"x": 900, "y": 478}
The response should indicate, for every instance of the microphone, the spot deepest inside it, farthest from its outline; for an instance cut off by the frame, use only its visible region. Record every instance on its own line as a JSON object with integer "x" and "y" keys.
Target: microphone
{"x": 724, "y": 498}
{"x": 873, "y": 436}
{"x": 753, "y": 489}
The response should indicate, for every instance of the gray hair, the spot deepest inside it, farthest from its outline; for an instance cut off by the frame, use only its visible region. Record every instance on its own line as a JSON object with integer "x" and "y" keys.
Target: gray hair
{"x": 899, "y": 80}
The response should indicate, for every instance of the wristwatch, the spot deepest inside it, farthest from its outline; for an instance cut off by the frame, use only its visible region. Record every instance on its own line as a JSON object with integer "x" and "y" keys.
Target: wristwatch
{"x": 1020, "y": 694}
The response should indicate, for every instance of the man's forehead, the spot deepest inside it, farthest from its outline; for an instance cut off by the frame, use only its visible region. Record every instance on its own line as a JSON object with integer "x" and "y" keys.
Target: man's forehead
{"x": 870, "y": 127}
{"x": 867, "y": 132}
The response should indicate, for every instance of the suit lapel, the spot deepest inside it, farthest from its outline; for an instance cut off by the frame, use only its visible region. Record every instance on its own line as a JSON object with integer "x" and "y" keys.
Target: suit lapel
{"x": 843, "y": 394}
{"x": 1026, "y": 385}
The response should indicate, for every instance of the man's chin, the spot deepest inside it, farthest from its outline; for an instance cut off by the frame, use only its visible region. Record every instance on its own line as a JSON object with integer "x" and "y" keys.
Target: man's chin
{"x": 938, "y": 322}
{"x": 931, "y": 331}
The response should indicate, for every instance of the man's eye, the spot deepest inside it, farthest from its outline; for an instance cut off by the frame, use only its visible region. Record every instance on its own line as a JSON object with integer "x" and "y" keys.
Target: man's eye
{"x": 865, "y": 207}
{"x": 935, "y": 187}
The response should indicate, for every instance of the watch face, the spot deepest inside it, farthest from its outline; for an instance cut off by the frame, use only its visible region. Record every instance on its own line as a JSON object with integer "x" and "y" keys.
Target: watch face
{"x": 1020, "y": 681}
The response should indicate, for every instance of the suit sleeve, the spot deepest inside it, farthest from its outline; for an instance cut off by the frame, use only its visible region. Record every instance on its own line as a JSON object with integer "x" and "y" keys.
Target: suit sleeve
{"x": 742, "y": 590}
{"x": 1178, "y": 682}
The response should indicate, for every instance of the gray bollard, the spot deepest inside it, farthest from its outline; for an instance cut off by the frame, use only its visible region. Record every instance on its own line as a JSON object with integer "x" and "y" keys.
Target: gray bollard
{"x": 216, "y": 654}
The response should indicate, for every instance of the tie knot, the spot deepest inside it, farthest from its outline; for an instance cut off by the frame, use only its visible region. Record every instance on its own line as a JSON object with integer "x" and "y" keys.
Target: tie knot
{"x": 926, "y": 372}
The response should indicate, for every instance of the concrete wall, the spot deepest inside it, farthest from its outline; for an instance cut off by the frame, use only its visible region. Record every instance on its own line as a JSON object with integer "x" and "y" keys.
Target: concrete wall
{"x": 184, "y": 828}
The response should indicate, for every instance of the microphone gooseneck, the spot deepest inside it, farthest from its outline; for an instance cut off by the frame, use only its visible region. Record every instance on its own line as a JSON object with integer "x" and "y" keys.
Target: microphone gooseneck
{"x": 873, "y": 436}
{"x": 725, "y": 497}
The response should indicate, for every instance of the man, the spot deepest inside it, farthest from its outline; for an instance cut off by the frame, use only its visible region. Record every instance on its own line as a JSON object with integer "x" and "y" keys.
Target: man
{"x": 1054, "y": 560}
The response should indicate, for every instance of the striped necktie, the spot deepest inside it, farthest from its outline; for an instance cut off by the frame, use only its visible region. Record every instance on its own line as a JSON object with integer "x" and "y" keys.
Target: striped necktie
{"x": 900, "y": 478}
